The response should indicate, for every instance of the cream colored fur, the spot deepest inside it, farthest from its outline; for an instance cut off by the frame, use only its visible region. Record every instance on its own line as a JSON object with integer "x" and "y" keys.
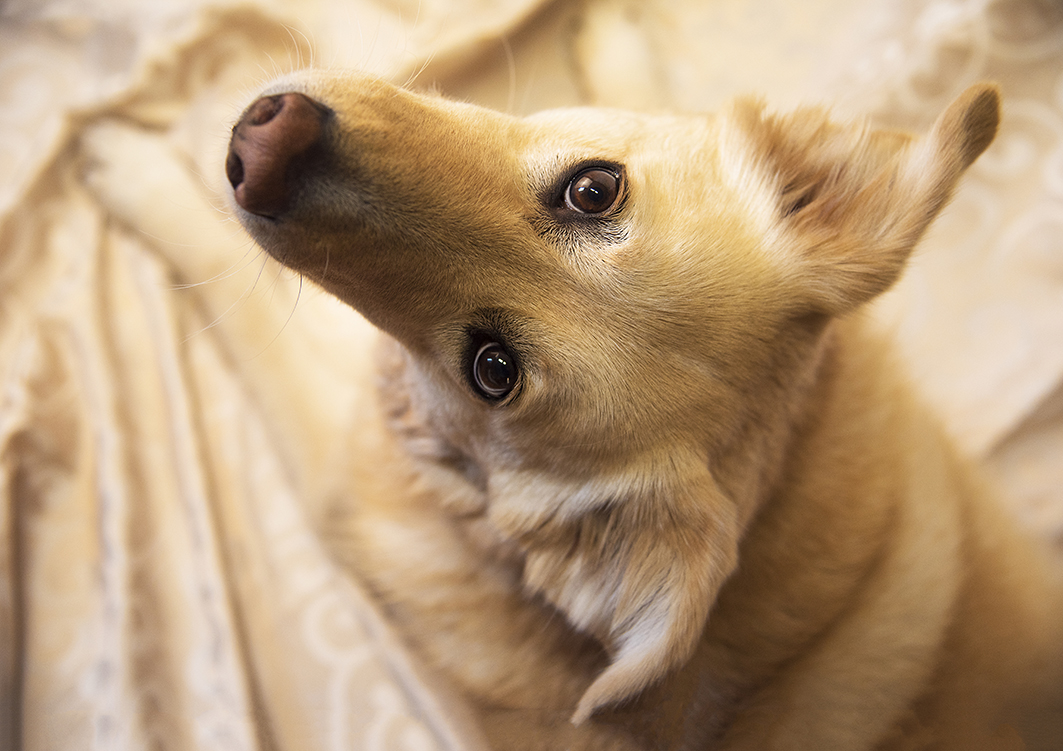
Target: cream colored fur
{"x": 711, "y": 515}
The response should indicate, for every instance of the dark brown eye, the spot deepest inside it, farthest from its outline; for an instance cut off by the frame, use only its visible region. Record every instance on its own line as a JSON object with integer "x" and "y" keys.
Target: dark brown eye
{"x": 494, "y": 371}
{"x": 593, "y": 191}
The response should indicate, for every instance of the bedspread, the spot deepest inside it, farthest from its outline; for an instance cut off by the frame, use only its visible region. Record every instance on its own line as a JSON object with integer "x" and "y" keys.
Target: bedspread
{"x": 161, "y": 585}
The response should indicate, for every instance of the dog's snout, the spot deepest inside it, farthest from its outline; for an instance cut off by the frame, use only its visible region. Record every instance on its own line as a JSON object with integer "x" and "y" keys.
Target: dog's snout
{"x": 268, "y": 146}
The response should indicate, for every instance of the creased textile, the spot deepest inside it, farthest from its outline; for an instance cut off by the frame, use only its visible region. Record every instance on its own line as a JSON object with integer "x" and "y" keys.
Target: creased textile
{"x": 161, "y": 453}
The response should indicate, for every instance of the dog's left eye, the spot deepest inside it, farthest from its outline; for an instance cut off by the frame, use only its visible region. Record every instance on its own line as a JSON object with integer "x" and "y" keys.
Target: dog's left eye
{"x": 593, "y": 191}
{"x": 494, "y": 371}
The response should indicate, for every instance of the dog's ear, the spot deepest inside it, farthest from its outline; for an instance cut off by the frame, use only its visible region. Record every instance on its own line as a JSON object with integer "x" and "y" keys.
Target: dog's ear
{"x": 846, "y": 204}
{"x": 639, "y": 567}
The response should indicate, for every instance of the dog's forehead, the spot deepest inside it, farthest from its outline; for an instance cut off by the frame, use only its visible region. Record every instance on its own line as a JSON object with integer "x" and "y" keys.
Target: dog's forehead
{"x": 587, "y": 122}
{"x": 620, "y": 135}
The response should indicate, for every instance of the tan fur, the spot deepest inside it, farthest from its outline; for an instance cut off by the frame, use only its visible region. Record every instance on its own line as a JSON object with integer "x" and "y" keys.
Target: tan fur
{"x": 712, "y": 516}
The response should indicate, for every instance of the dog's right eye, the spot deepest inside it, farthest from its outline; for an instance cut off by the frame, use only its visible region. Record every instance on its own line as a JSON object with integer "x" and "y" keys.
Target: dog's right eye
{"x": 494, "y": 371}
{"x": 593, "y": 191}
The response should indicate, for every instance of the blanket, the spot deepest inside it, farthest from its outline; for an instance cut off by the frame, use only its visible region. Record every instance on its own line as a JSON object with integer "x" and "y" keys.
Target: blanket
{"x": 160, "y": 585}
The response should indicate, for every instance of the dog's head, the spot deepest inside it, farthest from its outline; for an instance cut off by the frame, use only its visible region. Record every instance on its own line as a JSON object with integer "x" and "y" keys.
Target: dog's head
{"x": 610, "y": 318}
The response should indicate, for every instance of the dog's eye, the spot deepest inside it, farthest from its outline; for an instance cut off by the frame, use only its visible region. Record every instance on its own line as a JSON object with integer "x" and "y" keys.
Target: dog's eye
{"x": 593, "y": 191}
{"x": 494, "y": 370}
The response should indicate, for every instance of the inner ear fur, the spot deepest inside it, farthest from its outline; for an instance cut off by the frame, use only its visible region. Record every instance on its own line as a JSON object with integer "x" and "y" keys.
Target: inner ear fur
{"x": 847, "y": 203}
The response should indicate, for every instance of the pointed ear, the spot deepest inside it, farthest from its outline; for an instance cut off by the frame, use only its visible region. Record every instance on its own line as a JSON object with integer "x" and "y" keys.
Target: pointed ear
{"x": 843, "y": 206}
{"x": 637, "y": 567}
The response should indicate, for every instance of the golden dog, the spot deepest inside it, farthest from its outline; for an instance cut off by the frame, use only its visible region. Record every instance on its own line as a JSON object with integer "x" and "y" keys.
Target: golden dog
{"x": 638, "y": 475}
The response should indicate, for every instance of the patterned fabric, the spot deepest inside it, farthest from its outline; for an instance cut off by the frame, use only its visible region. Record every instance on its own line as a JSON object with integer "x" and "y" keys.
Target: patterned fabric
{"x": 161, "y": 583}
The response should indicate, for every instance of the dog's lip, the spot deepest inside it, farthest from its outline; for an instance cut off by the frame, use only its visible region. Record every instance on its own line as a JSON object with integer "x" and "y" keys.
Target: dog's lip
{"x": 249, "y": 220}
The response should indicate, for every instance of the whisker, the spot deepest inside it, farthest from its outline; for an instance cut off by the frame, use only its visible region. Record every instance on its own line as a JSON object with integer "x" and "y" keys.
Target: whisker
{"x": 221, "y": 317}
{"x": 291, "y": 313}
{"x": 511, "y": 66}
{"x": 228, "y": 273}
{"x": 412, "y": 78}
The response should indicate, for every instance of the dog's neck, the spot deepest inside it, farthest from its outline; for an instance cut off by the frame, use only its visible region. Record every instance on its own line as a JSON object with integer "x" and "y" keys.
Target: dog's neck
{"x": 813, "y": 545}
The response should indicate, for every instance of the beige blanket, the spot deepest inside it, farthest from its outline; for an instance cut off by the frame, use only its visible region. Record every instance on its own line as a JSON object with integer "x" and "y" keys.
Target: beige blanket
{"x": 170, "y": 400}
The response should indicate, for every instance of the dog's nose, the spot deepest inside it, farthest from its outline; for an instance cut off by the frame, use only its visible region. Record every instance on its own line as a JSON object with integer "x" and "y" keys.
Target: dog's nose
{"x": 267, "y": 149}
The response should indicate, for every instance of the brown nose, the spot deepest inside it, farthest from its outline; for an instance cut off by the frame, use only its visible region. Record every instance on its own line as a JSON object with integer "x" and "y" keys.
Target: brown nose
{"x": 267, "y": 149}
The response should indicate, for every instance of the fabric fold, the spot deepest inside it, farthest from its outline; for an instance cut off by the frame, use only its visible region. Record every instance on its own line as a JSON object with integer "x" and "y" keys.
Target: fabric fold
{"x": 174, "y": 408}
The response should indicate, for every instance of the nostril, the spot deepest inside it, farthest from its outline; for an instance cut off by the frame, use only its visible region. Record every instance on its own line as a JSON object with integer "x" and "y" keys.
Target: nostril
{"x": 234, "y": 169}
{"x": 265, "y": 109}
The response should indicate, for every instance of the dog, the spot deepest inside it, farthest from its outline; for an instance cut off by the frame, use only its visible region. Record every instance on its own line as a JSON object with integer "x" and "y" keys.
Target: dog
{"x": 638, "y": 473}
